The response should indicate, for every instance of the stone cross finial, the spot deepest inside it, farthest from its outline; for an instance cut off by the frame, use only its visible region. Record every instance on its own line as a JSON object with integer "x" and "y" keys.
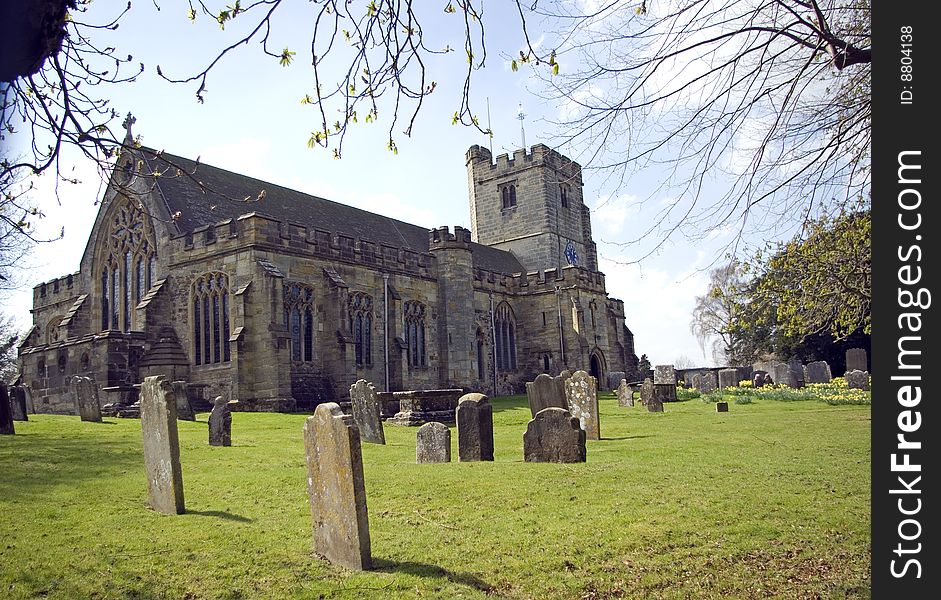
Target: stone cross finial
{"x": 128, "y": 122}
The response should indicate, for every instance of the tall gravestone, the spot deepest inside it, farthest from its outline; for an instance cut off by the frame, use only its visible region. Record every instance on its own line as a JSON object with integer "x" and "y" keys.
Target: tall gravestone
{"x": 664, "y": 375}
{"x": 625, "y": 394}
{"x": 817, "y": 372}
{"x": 474, "y": 428}
{"x": 161, "y": 446}
{"x": 646, "y": 391}
{"x": 220, "y": 423}
{"x": 782, "y": 375}
{"x": 85, "y": 395}
{"x": 696, "y": 381}
{"x": 796, "y": 368}
{"x": 857, "y": 380}
{"x": 367, "y": 412}
{"x": 857, "y": 360}
{"x": 433, "y": 443}
{"x": 554, "y": 435}
{"x": 581, "y": 394}
{"x": 184, "y": 410}
{"x": 336, "y": 488}
{"x": 728, "y": 378}
{"x": 545, "y": 391}
{"x": 18, "y": 403}
{"x": 6, "y": 414}
{"x": 709, "y": 382}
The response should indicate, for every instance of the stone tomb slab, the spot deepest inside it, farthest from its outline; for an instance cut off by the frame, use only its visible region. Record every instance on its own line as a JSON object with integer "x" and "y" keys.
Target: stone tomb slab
{"x": 433, "y": 443}
{"x": 220, "y": 423}
{"x": 6, "y": 413}
{"x": 554, "y": 435}
{"x": 581, "y": 394}
{"x": 161, "y": 446}
{"x": 85, "y": 395}
{"x": 417, "y": 407}
{"x": 367, "y": 412}
{"x": 474, "y": 428}
{"x": 544, "y": 392}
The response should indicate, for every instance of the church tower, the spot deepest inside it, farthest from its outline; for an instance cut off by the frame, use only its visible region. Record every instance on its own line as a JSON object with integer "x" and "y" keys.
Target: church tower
{"x": 531, "y": 205}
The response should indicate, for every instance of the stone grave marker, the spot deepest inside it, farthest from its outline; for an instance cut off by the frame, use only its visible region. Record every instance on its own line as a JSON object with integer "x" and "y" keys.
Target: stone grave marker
{"x": 161, "y": 446}
{"x": 433, "y": 443}
{"x": 728, "y": 378}
{"x": 856, "y": 360}
{"x": 817, "y": 372}
{"x": 664, "y": 392}
{"x": 18, "y": 403}
{"x": 554, "y": 435}
{"x": 664, "y": 374}
{"x": 6, "y": 412}
{"x": 625, "y": 394}
{"x": 565, "y": 374}
{"x": 474, "y": 428}
{"x": 367, "y": 412}
{"x": 722, "y": 407}
{"x": 85, "y": 395}
{"x": 796, "y": 368}
{"x": 646, "y": 391}
{"x": 581, "y": 394}
{"x": 696, "y": 381}
{"x": 336, "y": 488}
{"x": 857, "y": 380}
{"x": 220, "y": 423}
{"x": 545, "y": 391}
{"x": 781, "y": 373}
{"x": 758, "y": 379}
{"x": 709, "y": 382}
{"x": 184, "y": 410}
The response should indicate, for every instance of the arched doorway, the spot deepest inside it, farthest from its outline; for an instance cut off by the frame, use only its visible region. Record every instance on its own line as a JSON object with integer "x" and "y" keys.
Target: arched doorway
{"x": 595, "y": 366}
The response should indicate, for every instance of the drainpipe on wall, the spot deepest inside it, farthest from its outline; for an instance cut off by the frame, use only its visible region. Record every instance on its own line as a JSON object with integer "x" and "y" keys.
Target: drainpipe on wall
{"x": 493, "y": 337}
{"x": 385, "y": 326}
{"x": 558, "y": 298}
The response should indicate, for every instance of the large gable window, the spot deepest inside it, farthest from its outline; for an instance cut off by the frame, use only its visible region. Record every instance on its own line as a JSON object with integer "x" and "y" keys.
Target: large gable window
{"x": 211, "y": 319}
{"x": 299, "y": 319}
{"x": 505, "y": 332}
{"x": 360, "y": 311}
{"x": 127, "y": 266}
{"x": 415, "y": 333}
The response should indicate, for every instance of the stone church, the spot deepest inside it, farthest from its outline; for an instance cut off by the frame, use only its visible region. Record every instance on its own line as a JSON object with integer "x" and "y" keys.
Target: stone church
{"x": 281, "y": 300}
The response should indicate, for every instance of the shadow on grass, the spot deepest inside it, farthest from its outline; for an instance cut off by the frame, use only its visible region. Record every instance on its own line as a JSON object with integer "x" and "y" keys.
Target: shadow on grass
{"x": 502, "y": 403}
{"x": 418, "y": 569}
{"x": 625, "y": 437}
{"x": 221, "y": 514}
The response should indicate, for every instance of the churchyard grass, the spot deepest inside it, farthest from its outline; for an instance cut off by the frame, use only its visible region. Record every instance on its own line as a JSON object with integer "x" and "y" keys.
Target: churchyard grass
{"x": 769, "y": 499}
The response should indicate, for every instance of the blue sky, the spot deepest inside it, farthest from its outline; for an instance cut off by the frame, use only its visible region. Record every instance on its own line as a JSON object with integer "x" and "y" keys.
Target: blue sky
{"x": 252, "y": 122}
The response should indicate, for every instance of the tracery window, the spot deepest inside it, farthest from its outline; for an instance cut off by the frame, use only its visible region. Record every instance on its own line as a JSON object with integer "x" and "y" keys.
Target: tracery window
{"x": 299, "y": 319}
{"x": 481, "y": 354}
{"x": 127, "y": 266}
{"x": 415, "y": 333}
{"x": 360, "y": 312}
{"x": 505, "y": 332}
{"x": 508, "y": 195}
{"x": 211, "y": 319}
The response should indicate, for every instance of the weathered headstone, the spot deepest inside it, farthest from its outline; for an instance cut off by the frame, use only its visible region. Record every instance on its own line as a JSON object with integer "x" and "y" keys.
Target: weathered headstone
{"x": 367, "y": 412}
{"x": 728, "y": 378}
{"x": 625, "y": 394}
{"x": 565, "y": 374}
{"x": 433, "y": 443}
{"x": 545, "y": 391}
{"x": 85, "y": 395}
{"x": 336, "y": 488}
{"x": 664, "y": 374}
{"x": 646, "y": 391}
{"x": 796, "y": 368}
{"x": 554, "y": 435}
{"x": 817, "y": 372}
{"x": 161, "y": 446}
{"x": 758, "y": 379}
{"x": 184, "y": 410}
{"x": 856, "y": 360}
{"x": 474, "y": 428}
{"x": 768, "y": 379}
{"x": 781, "y": 373}
{"x": 696, "y": 381}
{"x": 220, "y": 423}
{"x": 6, "y": 414}
{"x": 664, "y": 392}
{"x": 18, "y": 403}
{"x": 722, "y": 407}
{"x": 709, "y": 383}
{"x": 857, "y": 380}
{"x": 581, "y": 394}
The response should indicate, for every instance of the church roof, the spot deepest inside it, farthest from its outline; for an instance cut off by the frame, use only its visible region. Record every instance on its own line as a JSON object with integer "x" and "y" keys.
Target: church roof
{"x": 212, "y": 195}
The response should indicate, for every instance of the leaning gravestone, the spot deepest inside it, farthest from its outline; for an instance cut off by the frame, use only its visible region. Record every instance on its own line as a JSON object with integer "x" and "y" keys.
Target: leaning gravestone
{"x": 554, "y": 435}
{"x": 722, "y": 407}
{"x": 433, "y": 443}
{"x": 367, "y": 412}
{"x": 474, "y": 428}
{"x": 857, "y": 380}
{"x": 161, "y": 446}
{"x": 856, "y": 360}
{"x": 581, "y": 394}
{"x": 646, "y": 391}
{"x": 709, "y": 383}
{"x": 625, "y": 394}
{"x": 184, "y": 410}
{"x": 817, "y": 372}
{"x": 728, "y": 378}
{"x": 220, "y": 423}
{"x": 85, "y": 395}
{"x": 18, "y": 403}
{"x": 336, "y": 488}
{"x": 545, "y": 391}
{"x": 664, "y": 374}
{"x": 6, "y": 414}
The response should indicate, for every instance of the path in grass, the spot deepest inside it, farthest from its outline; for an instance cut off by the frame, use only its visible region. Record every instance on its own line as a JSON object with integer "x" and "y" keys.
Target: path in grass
{"x": 771, "y": 498}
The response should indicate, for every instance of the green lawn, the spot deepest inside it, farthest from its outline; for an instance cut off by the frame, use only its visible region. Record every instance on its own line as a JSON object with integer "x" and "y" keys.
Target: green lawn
{"x": 770, "y": 499}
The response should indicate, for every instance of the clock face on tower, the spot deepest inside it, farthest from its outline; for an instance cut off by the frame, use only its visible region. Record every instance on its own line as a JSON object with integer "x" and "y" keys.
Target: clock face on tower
{"x": 570, "y": 254}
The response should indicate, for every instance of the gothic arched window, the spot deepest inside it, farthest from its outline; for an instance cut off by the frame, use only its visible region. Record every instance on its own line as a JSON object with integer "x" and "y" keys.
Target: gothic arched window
{"x": 299, "y": 319}
{"x": 211, "y": 318}
{"x": 130, "y": 247}
{"x": 481, "y": 354}
{"x": 564, "y": 194}
{"x": 360, "y": 313}
{"x": 415, "y": 333}
{"x": 505, "y": 332}
{"x": 508, "y": 195}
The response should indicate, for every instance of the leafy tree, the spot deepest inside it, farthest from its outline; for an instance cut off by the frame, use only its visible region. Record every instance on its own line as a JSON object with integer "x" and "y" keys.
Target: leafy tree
{"x": 9, "y": 337}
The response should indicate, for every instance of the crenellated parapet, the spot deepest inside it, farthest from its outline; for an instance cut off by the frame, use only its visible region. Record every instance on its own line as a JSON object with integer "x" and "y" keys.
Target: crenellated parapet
{"x": 542, "y": 281}
{"x": 442, "y": 238}
{"x": 539, "y": 155}
{"x": 55, "y": 291}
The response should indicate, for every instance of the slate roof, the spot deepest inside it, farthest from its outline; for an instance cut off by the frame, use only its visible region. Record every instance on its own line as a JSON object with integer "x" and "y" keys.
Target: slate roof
{"x": 227, "y": 195}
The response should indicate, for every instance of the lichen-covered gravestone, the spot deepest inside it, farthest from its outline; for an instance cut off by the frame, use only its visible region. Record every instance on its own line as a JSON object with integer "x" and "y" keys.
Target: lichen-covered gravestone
{"x": 664, "y": 374}
{"x": 336, "y": 488}
{"x": 856, "y": 360}
{"x": 6, "y": 414}
{"x": 85, "y": 395}
{"x": 161, "y": 446}
{"x": 184, "y": 410}
{"x": 709, "y": 382}
{"x": 18, "y": 403}
{"x": 474, "y": 428}
{"x": 433, "y": 443}
{"x": 554, "y": 435}
{"x": 367, "y": 412}
{"x": 625, "y": 394}
{"x": 581, "y": 394}
{"x": 696, "y": 381}
{"x": 545, "y": 391}
{"x": 647, "y": 396}
{"x": 817, "y": 372}
{"x": 857, "y": 380}
{"x": 220, "y": 423}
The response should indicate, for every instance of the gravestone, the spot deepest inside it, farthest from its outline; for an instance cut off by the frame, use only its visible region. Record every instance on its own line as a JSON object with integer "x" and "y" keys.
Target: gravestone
{"x": 722, "y": 407}
{"x": 768, "y": 379}
{"x": 85, "y": 396}
{"x": 545, "y": 391}
{"x": 367, "y": 412}
{"x": 696, "y": 381}
{"x": 161, "y": 446}
{"x": 709, "y": 382}
{"x": 581, "y": 394}
{"x": 817, "y": 372}
{"x": 433, "y": 443}
{"x": 781, "y": 373}
{"x": 614, "y": 379}
{"x": 6, "y": 413}
{"x": 220, "y": 423}
{"x": 625, "y": 394}
{"x": 728, "y": 378}
{"x": 758, "y": 379}
{"x": 417, "y": 407}
{"x": 18, "y": 403}
{"x": 336, "y": 488}
{"x": 646, "y": 391}
{"x": 856, "y": 360}
{"x": 565, "y": 374}
{"x": 857, "y": 380}
{"x": 664, "y": 374}
{"x": 664, "y": 392}
{"x": 796, "y": 368}
{"x": 554, "y": 435}
{"x": 184, "y": 410}
{"x": 474, "y": 428}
